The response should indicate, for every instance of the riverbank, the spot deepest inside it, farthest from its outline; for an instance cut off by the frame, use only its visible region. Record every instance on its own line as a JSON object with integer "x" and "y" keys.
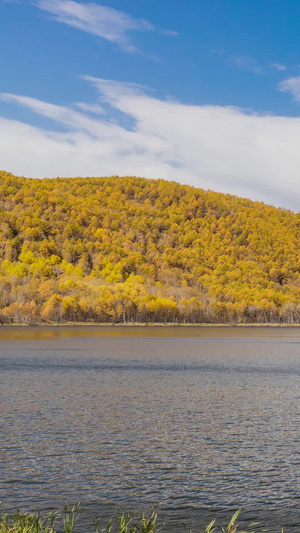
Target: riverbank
{"x": 123, "y": 523}
{"x": 151, "y": 324}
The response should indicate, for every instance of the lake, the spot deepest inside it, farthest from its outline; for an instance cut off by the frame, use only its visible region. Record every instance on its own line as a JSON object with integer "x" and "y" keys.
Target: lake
{"x": 197, "y": 421}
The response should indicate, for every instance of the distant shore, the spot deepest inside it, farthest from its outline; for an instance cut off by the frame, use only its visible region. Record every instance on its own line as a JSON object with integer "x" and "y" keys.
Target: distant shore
{"x": 151, "y": 324}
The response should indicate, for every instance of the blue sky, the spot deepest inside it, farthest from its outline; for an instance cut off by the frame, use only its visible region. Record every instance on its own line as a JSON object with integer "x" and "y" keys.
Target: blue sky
{"x": 205, "y": 92}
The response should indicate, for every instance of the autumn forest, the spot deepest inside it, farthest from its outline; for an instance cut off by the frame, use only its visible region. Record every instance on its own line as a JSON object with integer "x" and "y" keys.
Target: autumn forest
{"x": 123, "y": 250}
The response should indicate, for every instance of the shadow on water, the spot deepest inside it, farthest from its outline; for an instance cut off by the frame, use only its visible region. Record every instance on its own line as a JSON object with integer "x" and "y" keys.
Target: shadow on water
{"x": 23, "y": 333}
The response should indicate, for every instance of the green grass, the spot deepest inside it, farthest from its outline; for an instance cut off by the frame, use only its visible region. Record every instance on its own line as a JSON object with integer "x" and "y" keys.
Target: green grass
{"x": 123, "y": 523}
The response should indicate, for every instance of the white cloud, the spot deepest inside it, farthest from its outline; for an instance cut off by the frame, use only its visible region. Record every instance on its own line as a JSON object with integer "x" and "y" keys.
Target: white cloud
{"x": 68, "y": 117}
{"x": 90, "y": 108}
{"x": 171, "y": 33}
{"x": 278, "y": 66}
{"x": 247, "y": 63}
{"x": 103, "y": 21}
{"x": 291, "y": 85}
{"x": 221, "y": 148}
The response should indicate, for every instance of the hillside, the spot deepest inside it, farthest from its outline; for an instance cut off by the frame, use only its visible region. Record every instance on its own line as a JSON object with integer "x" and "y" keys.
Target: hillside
{"x": 131, "y": 249}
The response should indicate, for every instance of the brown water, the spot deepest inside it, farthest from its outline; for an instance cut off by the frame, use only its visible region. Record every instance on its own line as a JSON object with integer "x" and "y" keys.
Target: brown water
{"x": 197, "y": 421}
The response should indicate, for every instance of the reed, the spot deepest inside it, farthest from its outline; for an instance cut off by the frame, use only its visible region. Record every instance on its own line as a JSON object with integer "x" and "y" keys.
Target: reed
{"x": 124, "y": 523}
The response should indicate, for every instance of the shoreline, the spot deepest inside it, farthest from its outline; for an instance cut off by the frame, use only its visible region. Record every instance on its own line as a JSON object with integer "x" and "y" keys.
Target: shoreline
{"x": 149, "y": 324}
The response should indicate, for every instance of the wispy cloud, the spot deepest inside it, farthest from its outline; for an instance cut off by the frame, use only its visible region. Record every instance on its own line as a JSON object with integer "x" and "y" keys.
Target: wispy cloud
{"x": 278, "y": 66}
{"x": 96, "y": 19}
{"x": 220, "y": 148}
{"x": 291, "y": 85}
{"x": 247, "y": 63}
{"x": 171, "y": 33}
{"x": 64, "y": 115}
{"x": 90, "y": 108}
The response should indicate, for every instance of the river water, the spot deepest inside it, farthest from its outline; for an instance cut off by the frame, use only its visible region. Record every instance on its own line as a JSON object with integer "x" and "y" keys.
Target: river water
{"x": 196, "y": 421}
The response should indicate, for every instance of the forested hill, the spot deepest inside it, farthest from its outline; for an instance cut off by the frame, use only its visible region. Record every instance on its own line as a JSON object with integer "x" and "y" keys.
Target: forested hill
{"x": 132, "y": 249}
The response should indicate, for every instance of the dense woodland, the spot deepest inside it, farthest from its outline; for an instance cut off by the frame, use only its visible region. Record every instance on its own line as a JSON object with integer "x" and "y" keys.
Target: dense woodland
{"x": 130, "y": 249}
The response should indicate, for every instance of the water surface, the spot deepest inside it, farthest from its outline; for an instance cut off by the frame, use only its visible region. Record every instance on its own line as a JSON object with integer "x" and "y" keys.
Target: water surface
{"x": 198, "y": 421}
